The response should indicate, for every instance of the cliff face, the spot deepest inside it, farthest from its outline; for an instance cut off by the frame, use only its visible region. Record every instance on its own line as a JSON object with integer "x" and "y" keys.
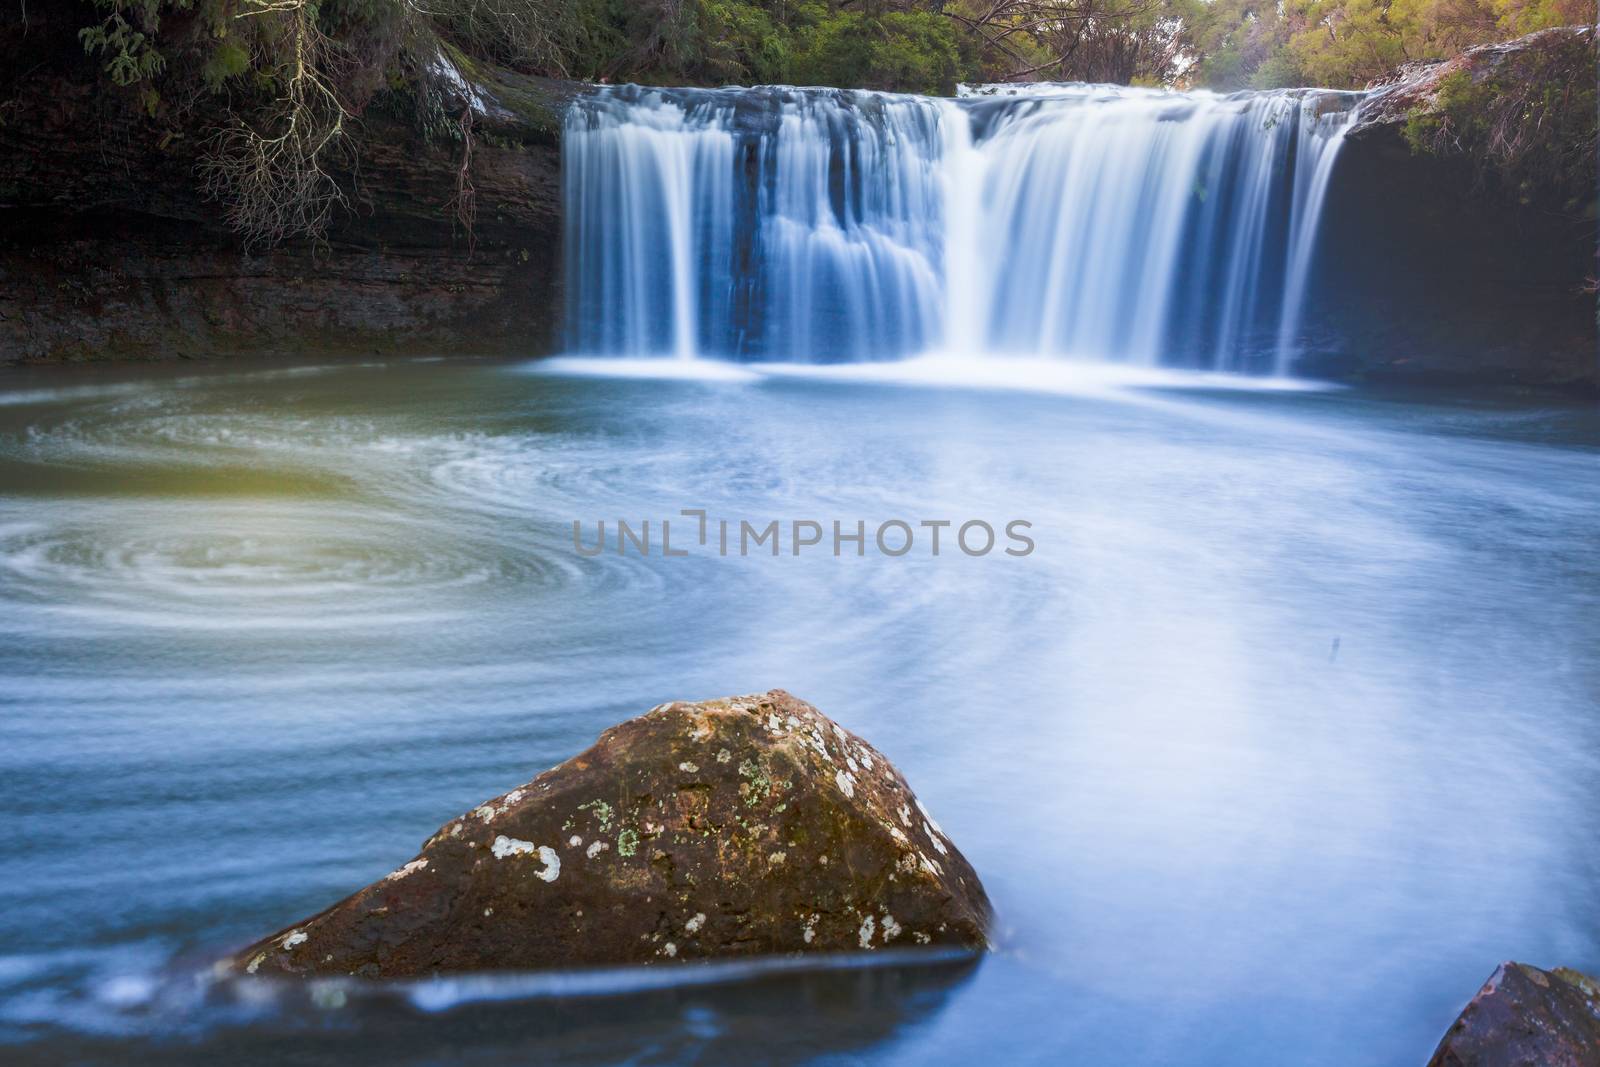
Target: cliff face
{"x": 1428, "y": 267}
{"x": 108, "y": 250}
{"x": 1444, "y": 265}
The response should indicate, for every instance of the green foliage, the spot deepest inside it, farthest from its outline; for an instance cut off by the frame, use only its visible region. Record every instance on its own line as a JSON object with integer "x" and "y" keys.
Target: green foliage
{"x": 744, "y": 44}
{"x": 294, "y": 71}
{"x": 1529, "y": 124}
{"x": 903, "y": 46}
{"x": 228, "y": 59}
{"x": 1278, "y": 71}
{"x": 1347, "y": 43}
{"x": 125, "y": 37}
{"x": 904, "y": 51}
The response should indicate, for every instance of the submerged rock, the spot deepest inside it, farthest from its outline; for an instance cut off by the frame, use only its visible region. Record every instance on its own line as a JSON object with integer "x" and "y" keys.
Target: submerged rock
{"x": 1525, "y": 1016}
{"x": 738, "y": 827}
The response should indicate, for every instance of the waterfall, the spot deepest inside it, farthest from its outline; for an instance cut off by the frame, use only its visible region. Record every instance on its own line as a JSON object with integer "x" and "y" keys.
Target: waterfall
{"x": 1320, "y": 136}
{"x": 823, "y": 225}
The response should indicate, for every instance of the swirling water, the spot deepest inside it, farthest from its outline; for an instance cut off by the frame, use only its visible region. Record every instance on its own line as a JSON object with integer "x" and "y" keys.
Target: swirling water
{"x": 1282, "y": 738}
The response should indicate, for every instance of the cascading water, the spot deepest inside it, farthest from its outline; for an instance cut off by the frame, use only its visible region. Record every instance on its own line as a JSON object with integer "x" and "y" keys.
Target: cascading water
{"x": 825, "y": 225}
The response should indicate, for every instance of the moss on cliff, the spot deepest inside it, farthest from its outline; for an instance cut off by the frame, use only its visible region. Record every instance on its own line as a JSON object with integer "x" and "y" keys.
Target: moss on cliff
{"x": 1525, "y": 114}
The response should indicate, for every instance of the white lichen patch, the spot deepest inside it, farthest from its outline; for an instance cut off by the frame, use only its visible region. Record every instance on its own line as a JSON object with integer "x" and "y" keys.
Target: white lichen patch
{"x": 905, "y": 814}
{"x": 723, "y": 755}
{"x": 552, "y": 864}
{"x": 850, "y": 761}
{"x": 899, "y": 835}
{"x": 295, "y": 937}
{"x": 693, "y": 925}
{"x": 688, "y": 768}
{"x": 891, "y": 929}
{"x": 866, "y": 758}
{"x": 411, "y": 868}
{"x": 575, "y": 841}
{"x": 934, "y": 837}
{"x": 931, "y": 866}
{"x": 488, "y": 812}
{"x": 504, "y": 847}
{"x": 774, "y": 724}
{"x": 595, "y": 848}
{"x": 846, "y": 783}
{"x": 921, "y": 938}
{"x": 864, "y": 935}
{"x": 251, "y": 967}
{"x": 794, "y": 723}
{"x": 809, "y": 930}
{"x": 510, "y": 846}
{"x": 777, "y": 859}
{"x": 669, "y": 949}
{"x": 907, "y": 864}
{"x": 931, "y": 821}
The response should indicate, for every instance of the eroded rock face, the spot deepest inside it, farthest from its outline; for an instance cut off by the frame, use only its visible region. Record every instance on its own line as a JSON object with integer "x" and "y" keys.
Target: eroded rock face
{"x": 1431, "y": 270}
{"x": 1524, "y": 1016}
{"x": 109, "y": 249}
{"x": 738, "y": 827}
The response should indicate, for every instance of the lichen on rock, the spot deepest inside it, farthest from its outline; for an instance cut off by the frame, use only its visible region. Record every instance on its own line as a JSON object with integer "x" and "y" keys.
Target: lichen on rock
{"x": 1524, "y": 1015}
{"x": 746, "y": 826}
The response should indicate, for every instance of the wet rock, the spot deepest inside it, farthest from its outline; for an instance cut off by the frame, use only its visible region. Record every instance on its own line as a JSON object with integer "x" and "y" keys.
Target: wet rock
{"x": 739, "y": 827}
{"x": 1523, "y": 1017}
{"x": 109, "y": 248}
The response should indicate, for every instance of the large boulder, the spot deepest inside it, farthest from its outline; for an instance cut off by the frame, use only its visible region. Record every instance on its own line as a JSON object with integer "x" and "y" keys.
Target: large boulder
{"x": 738, "y": 827}
{"x": 1525, "y": 1017}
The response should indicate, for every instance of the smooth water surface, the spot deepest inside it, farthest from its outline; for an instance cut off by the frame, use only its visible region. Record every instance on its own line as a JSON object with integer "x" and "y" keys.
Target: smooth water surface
{"x": 1283, "y": 737}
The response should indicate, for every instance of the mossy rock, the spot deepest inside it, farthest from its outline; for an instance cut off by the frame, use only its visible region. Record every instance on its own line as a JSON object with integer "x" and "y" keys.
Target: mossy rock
{"x": 740, "y": 827}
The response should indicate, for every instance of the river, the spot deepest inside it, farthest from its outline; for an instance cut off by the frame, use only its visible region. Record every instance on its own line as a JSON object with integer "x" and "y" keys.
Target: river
{"x": 1280, "y": 739}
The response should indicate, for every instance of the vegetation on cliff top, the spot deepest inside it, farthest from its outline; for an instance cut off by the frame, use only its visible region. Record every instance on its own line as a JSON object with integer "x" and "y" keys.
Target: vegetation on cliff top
{"x": 289, "y": 77}
{"x": 905, "y": 45}
{"x": 1526, "y": 117}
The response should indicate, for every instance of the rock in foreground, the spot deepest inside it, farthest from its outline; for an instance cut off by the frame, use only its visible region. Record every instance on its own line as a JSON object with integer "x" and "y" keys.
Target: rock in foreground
{"x": 738, "y": 827}
{"x": 1523, "y": 1017}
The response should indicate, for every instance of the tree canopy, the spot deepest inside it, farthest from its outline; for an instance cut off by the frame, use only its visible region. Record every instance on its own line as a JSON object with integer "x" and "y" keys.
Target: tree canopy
{"x": 906, "y": 45}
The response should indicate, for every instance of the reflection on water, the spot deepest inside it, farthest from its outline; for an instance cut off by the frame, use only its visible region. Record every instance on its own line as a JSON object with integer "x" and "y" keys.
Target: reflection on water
{"x": 1283, "y": 737}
